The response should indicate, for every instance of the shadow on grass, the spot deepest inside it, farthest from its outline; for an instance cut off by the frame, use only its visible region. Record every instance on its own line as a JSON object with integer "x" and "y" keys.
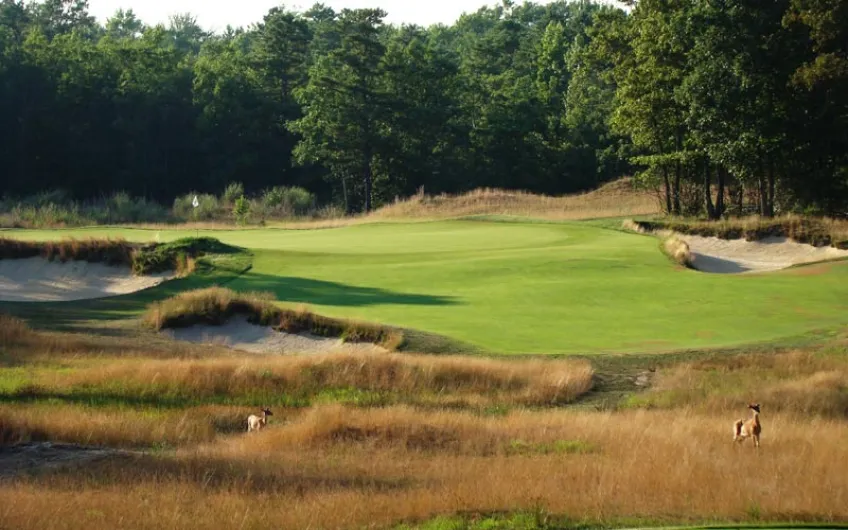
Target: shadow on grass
{"x": 320, "y": 292}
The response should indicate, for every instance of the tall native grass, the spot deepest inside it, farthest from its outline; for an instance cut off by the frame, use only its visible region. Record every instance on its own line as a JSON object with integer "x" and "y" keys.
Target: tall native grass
{"x": 615, "y": 199}
{"x": 339, "y": 468}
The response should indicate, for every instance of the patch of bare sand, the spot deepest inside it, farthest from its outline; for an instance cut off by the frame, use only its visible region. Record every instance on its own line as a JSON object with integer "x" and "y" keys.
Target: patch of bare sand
{"x": 42, "y": 280}
{"x": 722, "y": 256}
{"x": 237, "y": 333}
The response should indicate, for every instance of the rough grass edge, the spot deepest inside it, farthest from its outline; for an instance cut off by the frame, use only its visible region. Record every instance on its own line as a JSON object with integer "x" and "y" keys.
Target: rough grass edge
{"x": 817, "y": 232}
{"x": 215, "y": 305}
{"x": 142, "y": 258}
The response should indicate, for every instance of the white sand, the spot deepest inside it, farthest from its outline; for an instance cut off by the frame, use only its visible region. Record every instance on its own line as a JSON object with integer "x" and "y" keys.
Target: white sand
{"x": 739, "y": 256}
{"x": 41, "y": 280}
{"x": 239, "y": 334}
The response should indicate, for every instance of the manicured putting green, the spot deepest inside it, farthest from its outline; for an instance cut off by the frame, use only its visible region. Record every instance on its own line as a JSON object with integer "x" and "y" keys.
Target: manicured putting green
{"x": 524, "y": 287}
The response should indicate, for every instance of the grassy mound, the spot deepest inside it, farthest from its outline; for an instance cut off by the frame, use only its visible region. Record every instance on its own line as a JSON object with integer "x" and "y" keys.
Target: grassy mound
{"x": 141, "y": 258}
{"x": 814, "y": 231}
{"x": 215, "y": 305}
{"x": 614, "y": 199}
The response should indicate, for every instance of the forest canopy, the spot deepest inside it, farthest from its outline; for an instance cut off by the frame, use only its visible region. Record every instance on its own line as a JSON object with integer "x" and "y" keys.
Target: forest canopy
{"x": 722, "y": 105}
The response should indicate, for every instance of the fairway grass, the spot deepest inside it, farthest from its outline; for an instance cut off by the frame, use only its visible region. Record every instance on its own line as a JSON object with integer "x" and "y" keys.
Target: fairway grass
{"x": 522, "y": 287}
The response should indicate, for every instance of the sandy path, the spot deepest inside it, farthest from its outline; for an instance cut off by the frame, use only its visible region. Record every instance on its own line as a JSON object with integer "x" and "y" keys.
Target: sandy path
{"x": 739, "y": 256}
{"x": 41, "y": 280}
{"x": 239, "y": 334}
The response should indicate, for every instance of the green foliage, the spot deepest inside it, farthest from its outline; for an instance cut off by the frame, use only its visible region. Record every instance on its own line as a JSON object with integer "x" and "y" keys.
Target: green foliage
{"x": 208, "y": 208}
{"x": 723, "y": 108}
{"x": 167, "y": 256}
{"x": 232, "y": 192}
{"x": 241, "y": 210}
{"x": 288, "y": 201}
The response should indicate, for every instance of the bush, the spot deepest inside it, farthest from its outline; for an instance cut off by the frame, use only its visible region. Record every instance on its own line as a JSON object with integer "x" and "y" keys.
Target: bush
{"x": 232, "y": 192}
{"x": 241, "y": 210}
{"x": 208, "y": 208}
{"x": 284, "y": 201}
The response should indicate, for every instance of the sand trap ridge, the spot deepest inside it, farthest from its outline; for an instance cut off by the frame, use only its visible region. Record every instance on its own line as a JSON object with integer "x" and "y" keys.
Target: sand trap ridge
{"x": 739, "y": 256}
{"x": 238, "y": 333}
{"x": 41, "y": 280}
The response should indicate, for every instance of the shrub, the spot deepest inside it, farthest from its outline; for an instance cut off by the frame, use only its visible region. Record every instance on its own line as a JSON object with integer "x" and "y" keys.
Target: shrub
{"x": 241, "y": 210}
{"x": 285, "y": 201}
{"x": 208, "y": 208}
{"x": 232, "y": 192}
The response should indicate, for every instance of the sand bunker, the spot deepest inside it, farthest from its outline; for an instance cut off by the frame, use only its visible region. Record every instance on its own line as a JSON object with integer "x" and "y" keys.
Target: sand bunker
{"x": 41, "y": 280}
{"x": 739, "y": 256}
{"x": 238, "y": 333}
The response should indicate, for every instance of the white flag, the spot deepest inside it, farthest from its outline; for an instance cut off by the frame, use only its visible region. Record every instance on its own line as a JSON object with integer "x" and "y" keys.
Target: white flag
{"x": 195, "y": 202}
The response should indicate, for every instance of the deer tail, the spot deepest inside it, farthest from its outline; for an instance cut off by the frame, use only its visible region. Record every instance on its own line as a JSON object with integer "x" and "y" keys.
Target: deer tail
{"x": 737, "y": 428}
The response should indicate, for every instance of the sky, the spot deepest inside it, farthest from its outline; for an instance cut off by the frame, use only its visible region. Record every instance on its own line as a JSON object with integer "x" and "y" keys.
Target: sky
{"x": 216, "y": 14}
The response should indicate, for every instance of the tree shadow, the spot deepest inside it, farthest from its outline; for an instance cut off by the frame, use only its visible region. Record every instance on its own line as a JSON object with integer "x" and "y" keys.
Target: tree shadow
{"x": 320, "y": 292}
{"x": 82, "y": 315}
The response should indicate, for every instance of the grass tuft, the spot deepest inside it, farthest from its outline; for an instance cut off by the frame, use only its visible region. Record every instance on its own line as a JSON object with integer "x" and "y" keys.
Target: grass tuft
{"x": 678, "y": 250}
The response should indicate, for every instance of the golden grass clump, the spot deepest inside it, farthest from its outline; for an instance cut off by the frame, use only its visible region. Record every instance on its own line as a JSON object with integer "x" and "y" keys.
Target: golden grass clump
{"x": 614, "y": 199}
{"x": 678, "y": 250}
{"x": 215, "y": 305}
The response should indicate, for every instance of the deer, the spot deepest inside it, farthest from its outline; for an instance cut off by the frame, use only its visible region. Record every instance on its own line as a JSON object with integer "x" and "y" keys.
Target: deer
{"x": 254, "y": 422}
{"x": 744, "y": 428}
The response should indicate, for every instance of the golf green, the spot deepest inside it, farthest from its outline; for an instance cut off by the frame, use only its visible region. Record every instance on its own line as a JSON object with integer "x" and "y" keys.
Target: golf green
{"x": 523, "y": 287}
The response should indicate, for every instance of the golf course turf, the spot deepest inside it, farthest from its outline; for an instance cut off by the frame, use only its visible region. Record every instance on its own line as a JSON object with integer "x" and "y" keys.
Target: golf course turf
{"x": 522, "y": 287}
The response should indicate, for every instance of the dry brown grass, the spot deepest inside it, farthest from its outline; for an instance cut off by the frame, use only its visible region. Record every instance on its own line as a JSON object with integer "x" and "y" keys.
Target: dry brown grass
{"x": 615, "y": 199}
{"x": 215, "y": 305}
{"x": 338, "y": 468}
{"x": 115, "y": 427}
{"x": 457, "y": 381}
{"x": 818, "y": 231}
{"x": 678, "y": 250}
{"x": 110, "y": 251}
{"x": 799, "y": 383}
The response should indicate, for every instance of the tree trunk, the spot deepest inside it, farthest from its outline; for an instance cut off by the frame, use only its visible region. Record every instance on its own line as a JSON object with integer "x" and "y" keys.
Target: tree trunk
{"x": 677, "y": 189}
{"x": 368, "y": 179}
{"x": 770, "y": 190}
{"x": 667, "y": 186}
{"x": 708, "y": 194}
{"x": 344, "y": 192}
{"x": 719, "y": 207}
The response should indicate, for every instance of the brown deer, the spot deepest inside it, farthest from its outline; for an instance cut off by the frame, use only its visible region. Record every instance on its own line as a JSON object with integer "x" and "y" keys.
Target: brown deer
{"x": 254, "y": 422}
{"x": 751, "y": 427}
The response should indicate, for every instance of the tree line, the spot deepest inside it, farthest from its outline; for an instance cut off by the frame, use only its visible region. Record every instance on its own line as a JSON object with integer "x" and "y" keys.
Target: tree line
{"x": 722, "y": 105}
